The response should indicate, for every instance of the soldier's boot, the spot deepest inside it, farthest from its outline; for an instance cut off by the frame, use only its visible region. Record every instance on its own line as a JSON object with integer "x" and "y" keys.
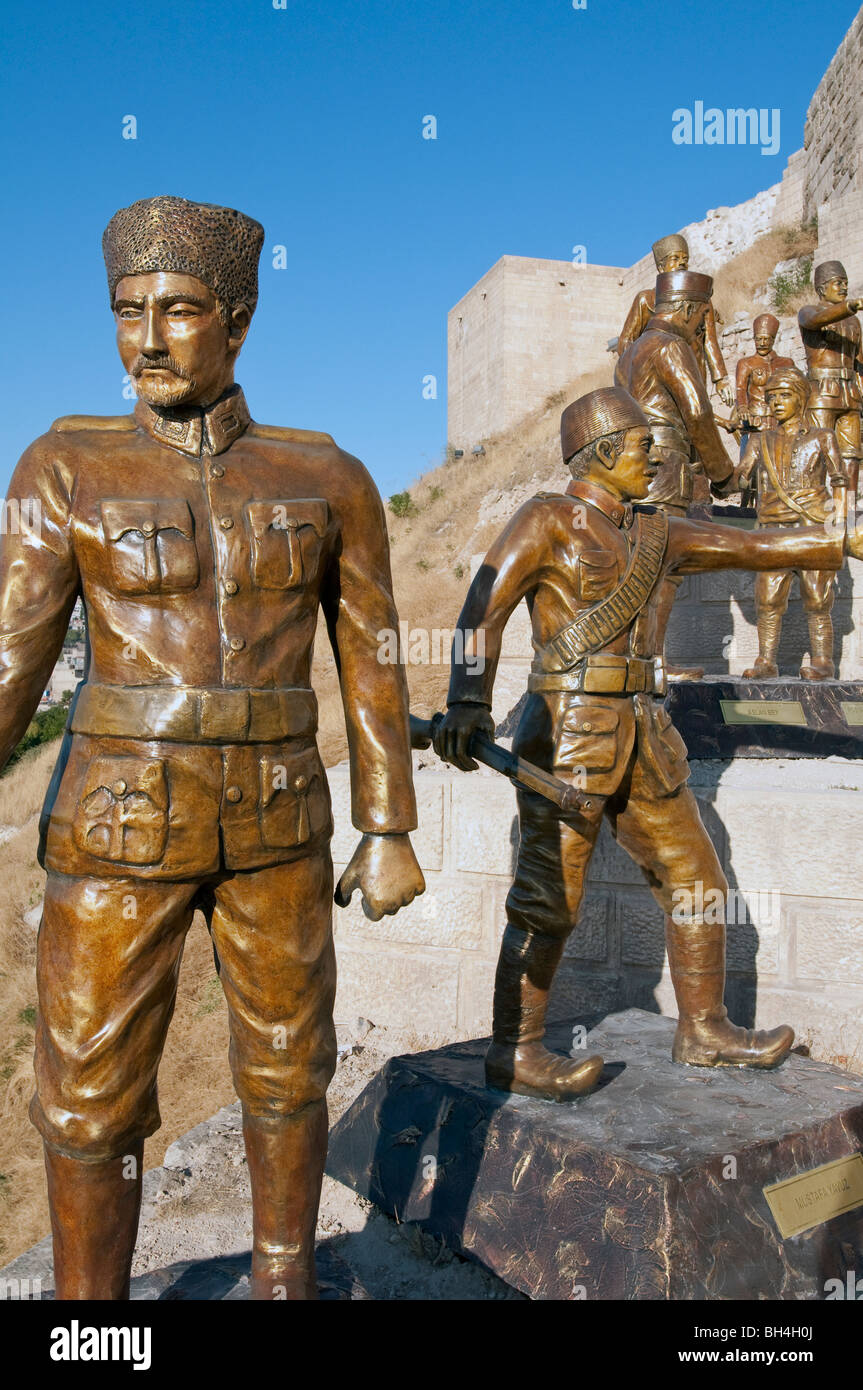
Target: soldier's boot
{"x": 820, "y": 667}
{"x": 286, "y": 1155}
{"x": 769, "y": 630}
{"x": 94, "y": 1219}
{"x": 516, "y": 1059}
{"x": 705, "y": 1036}
{"x": 665, "y": 602}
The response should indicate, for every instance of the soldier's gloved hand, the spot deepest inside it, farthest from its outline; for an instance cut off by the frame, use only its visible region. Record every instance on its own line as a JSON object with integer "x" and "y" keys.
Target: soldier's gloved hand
{"x": 724, "y": 391}
{"x": 453, "y": 735}
{"x": 385, "y": 869}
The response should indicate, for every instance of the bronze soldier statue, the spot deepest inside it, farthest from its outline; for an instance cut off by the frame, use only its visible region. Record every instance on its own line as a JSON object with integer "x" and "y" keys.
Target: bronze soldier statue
{"x": 831, "y": 336}
{"x": 790, "y": 464}
{"x": 752, "y": 374}
{"x": 203, "y": 545}
{"x": 661, "y": 371}
{"x": 672, "y": 253}
{"x": 590, "y": 562}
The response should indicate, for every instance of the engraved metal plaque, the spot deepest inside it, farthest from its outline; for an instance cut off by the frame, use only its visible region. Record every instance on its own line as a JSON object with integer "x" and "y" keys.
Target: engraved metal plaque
{"x": 811, "y": 1198}
{"x": 853, "y": 711}
{"x": 763, "y": 712}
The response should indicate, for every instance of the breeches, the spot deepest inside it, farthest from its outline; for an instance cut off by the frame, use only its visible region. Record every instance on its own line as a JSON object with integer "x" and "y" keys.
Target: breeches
{"x": 663, "y": 834}
{"x": 108, "y": 959}
{"x": 844, "y": 420}
{"x": 817, "y": 590}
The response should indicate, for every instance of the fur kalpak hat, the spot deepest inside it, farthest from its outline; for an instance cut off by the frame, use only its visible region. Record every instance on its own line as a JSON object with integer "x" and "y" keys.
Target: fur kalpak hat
{"x": 599, "y": 412}
{"x": 219, "y": 246}
{"x": 828, "y": 270}
{"x": 682, "y": 284}
{"x": 667, "y": 244}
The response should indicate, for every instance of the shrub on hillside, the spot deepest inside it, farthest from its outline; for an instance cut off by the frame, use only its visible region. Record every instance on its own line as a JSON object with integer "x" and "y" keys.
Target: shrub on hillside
{"x": 47, "y": 725}
{"x": 402, "y": 504}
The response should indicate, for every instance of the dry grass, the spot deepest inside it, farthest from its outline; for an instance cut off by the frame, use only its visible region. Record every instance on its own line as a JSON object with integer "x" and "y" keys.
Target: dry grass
{"x": 735, "y": 281}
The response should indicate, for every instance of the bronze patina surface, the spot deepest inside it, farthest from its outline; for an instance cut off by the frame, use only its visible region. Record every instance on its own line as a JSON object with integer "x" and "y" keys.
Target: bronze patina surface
{"x": 752, "y": 374}
{"x": 591, "y": 563}
{"x": 672, "y": 253}
{"x": 831, "y": 337}
{"x": 203, "y": 546}
{"x": 791, "y": 466}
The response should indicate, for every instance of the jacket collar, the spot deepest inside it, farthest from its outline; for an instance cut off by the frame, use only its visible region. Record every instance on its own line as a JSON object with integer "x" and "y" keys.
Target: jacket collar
{"x": 193, "y": 430}
{"x": 612, "y": 507}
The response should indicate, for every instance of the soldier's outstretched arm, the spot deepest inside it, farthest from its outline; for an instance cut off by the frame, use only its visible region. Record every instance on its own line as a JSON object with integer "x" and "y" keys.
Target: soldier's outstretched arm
{"x": 361, "y": 617}
{"x": 508, "y": 572}
{"x": 695, "y": 546}
{"x": 821, "y": 314}
{"x": 39, "y": 582}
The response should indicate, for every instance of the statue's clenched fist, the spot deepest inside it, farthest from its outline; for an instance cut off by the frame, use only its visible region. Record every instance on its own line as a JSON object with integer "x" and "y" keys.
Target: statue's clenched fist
{"x": 385, "y": 869}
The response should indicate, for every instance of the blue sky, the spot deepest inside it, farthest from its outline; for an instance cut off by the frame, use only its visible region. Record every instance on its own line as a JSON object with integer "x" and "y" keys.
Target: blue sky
{"x": 554, "y": 129}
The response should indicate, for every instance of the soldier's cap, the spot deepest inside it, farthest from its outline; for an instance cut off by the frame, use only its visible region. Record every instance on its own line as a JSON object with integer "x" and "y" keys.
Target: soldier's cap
{"x": 787, "y": 376}
{"x": 667, "y": 244}
{"x": 683, "y": 284}
{"x": 828, "y": 270}
{"x": 219, "y": 246}
{"x": 599, "y": 412}
{"x": 765, "y": 323}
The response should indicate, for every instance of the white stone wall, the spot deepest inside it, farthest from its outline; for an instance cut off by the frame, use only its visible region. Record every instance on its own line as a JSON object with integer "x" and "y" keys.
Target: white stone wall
{"x": 787, "y": 834}
{"x": 524, "y": 330}
{"x": 840, "y": 235}
{"x": 833, "y": 135}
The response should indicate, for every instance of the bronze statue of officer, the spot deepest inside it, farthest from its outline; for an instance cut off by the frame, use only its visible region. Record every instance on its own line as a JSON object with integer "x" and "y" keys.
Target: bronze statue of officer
{"x": 672, "y": 253}
{"x": 831, "y": 337}
{"x": 203, "y": 546}
{"x": 752, "y": 373}
{"x": 590, "y": 563}
{"x": 793, "y": 468}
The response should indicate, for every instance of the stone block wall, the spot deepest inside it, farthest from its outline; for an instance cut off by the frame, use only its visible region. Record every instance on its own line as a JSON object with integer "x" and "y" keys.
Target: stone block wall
{"x": 840, "y": 235}
{"x": 786, "y": 832}
{"x": 833, "y": 134}
{"x": 524, "y": 330}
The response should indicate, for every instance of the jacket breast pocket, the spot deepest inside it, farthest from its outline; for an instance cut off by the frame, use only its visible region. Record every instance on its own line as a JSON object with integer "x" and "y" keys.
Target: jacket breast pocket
{"x": 587, "y": 738}
{"x": 122, "y": 810}
{"x": 150, "y": 543}
{"x": 294, "y": 799}
{"x": 597, "y": 574}
{"x": 286, "y": 539}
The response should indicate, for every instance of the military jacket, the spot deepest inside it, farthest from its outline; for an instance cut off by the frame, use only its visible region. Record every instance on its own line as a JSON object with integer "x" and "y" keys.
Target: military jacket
{"x": 751, "y": 379}
{"x": 566, "y": 553}
{"x": 203, "y": 546}
{"x": 706, "y": 347}
{"x": 801, "y": 462}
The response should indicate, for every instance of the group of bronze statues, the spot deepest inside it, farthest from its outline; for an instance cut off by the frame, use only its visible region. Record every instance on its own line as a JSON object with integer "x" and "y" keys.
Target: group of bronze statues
{"x": 204, "y": 546}
{"x": 800, "y": 436}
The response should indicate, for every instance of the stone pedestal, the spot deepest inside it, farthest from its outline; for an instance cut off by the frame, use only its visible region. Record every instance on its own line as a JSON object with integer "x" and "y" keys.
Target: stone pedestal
{"x": 650, "y": 1188}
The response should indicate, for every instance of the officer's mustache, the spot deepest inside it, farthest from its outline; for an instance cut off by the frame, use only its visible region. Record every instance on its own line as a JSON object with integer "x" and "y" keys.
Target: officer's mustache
{"x": 161, "y": 364}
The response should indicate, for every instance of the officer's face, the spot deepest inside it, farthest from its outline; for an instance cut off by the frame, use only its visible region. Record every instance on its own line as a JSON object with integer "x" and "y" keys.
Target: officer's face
{"x": 834, "y": 291}
{"x": 677, "y": 260}
{"x": 172, "y": 340}
{"x": 783, "y": 403}
{"x": 763, "y": 343}
{"x": 632, "y": 472}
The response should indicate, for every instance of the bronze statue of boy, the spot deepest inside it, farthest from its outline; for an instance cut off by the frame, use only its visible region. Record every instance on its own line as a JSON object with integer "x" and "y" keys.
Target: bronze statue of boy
{"x": 203, "y": 545}
{"x": 590, "y": 563}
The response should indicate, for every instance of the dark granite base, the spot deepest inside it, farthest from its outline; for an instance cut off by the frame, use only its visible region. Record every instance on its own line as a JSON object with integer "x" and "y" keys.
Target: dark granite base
{"x": 624, "y": 1194}
{"x": 697, "y": 711}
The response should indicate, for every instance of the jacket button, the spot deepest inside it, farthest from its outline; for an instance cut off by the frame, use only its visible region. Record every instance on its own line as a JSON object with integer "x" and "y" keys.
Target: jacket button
{"x": 291, "y": 523}
{"x": 300, "y": 783}
{"x": 587, "y": 727}
{"x": 231, "y": 586}
{"x": 226, "y": 522}
{"x": 233, "y": 794}
{"x": 217, "y": 471}
{"x": 237, "y": 643}
{"x": 148, "y": 528}
{"x": 119, "y": 788}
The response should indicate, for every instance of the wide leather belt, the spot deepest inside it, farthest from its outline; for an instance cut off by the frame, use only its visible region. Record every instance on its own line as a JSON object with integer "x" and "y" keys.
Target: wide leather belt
{"x": 830, "y": 373}
{"x": 190, "y": 714}
{"x": 604, "y": 674}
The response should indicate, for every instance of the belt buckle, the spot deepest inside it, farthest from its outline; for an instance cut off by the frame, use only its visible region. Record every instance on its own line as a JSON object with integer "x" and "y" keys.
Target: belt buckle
{"x": 604, "y": 680}
{"x": 224, "y": 715}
